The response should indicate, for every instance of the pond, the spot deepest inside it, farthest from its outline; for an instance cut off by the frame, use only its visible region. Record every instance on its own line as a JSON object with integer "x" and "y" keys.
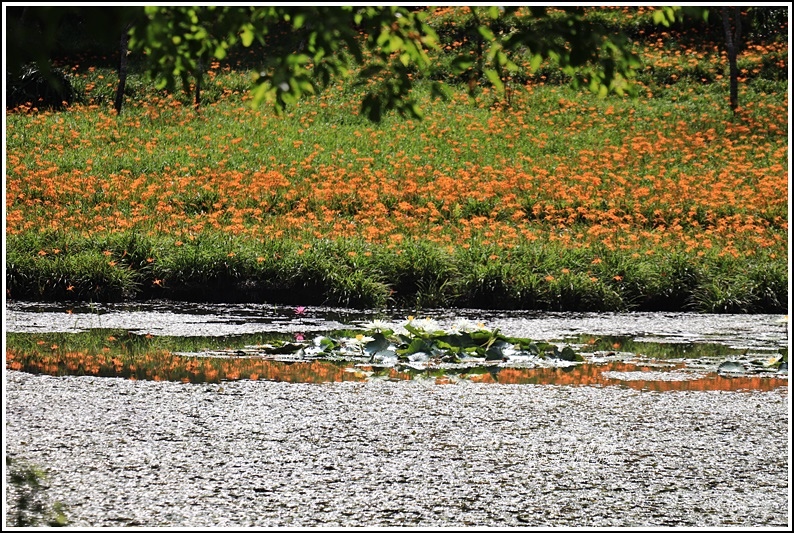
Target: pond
{"x": 645, "y": 431}
{"x": 660, "y": 351}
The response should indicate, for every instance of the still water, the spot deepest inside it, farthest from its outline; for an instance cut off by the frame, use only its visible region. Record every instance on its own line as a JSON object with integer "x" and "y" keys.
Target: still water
{"x": 658, "y": 351}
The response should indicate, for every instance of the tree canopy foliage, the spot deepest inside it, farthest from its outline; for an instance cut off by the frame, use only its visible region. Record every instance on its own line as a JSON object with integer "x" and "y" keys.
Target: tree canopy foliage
{"x": 392, "y": 43}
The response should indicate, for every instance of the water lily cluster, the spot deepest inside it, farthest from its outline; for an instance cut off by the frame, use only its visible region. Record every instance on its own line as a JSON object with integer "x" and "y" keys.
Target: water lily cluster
{"x": 422, "y": 342}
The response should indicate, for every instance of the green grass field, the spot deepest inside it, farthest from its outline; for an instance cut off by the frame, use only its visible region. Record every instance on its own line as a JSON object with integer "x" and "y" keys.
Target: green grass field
{"x": 544, "y": 198}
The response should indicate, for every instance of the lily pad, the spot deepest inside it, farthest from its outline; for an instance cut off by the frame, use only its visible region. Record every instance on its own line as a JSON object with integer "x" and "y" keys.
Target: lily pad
{"x": 731, "y": 367}
{"x": 378, "y": 344}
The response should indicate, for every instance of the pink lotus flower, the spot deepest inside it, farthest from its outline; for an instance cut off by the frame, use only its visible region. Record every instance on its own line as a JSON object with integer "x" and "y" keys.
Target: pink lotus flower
{"x": 300, "y": 310}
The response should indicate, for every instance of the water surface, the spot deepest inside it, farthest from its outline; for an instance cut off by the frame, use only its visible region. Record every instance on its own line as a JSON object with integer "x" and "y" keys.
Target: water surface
{"x": 402, "y": 453}
{"x": 646, "y": 433}
{"x": 190, "y": 319}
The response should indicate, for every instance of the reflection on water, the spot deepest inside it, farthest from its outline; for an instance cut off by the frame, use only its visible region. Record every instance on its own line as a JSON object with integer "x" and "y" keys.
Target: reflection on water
{"x": 166, "y": 366}
{"x": 164, "y": 342}
{"x": 634, "y": 376}
{"x": 654, "y": 350}
{"x": 191, "y": 319}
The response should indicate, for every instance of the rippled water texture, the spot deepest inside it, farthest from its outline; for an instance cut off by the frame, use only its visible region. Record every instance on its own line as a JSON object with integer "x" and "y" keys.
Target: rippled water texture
{"x": 406, "y": 453}
{"x": 182, "y": 319}
{"x": 388, "y": 453}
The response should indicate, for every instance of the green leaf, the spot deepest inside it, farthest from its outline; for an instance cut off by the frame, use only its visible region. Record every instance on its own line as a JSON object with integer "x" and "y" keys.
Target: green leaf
{"x": 297, "y": 60}
{"x": 298, "y": 20}
{"x": 495, "y": 351}
{"x": 305, "y": 86}
{"x": 494, "y": 12}
{"x": 567, "y": 354}
{"x": 247, "y": 36}
{"x": 445, "y": 346}
{"x": 414, "y": 110}
{"x": 535, "y": 61}
{"x": 494, "y": 337}
{"x": 495, "y": 80}
{"x": 379, "y": 343}
{"x": 415, "y": 331}
{"x": 416, "y": 346}
{"x": 532, "y": 348}
{"x": 262, "y": 92}
{"x": 395, "y": 43}
{"x": 486, "y": 33}
{"x": 286, "y": 348}
{"x": 439, "y": 90}
{"x": 480, "y": 337}
{"x": 462, "y": 63}
{"x": 328, "y": 344}
{"x": 665, "y": 15}
{"x": 460, "y": 340}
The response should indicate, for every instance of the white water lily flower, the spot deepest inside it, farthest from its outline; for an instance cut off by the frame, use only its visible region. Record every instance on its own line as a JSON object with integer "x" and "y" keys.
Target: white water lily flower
{"x": 318, "y": 341}
{"x": 419, "y": 357}
{"x": 773, "y": 360}
{"x": 510, "y": 351}
{"x": 376, "y": 325}
{"x": 311, "y": 351}
{"x": 462, "y": 326}
{"x": 355, "y": 345}
{"x": 427, "y": 324}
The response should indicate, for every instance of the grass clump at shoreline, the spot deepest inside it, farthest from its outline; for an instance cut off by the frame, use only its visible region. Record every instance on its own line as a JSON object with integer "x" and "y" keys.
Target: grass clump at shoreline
{"x": 554, "y": 200}
{"x": 351, "y": 273}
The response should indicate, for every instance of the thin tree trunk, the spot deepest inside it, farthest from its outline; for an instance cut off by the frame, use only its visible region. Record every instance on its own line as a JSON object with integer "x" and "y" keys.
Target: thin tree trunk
{"x": 733, "y": 38}
{"x": 123, "y": 51}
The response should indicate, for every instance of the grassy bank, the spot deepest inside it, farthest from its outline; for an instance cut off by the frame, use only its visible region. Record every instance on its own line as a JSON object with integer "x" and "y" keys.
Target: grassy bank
{"x": 546, "y": 199}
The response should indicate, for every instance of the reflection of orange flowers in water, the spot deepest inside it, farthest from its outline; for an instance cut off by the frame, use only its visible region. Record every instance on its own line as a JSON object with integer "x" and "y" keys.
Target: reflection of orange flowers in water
{"x": 593, "y": 375}
{"x": 482, "y": 378}
{"x": 395, "y": 374}
{"x": 165, "y": 366}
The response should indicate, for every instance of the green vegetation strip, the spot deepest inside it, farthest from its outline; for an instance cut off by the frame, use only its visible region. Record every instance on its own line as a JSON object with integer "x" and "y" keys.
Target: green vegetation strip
{"x": 343, "y": 272}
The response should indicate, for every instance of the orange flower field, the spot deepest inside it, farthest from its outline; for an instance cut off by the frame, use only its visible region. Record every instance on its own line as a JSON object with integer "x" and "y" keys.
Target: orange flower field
{"x": 670, "y": 174}
{"x": 659, "y": 184}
